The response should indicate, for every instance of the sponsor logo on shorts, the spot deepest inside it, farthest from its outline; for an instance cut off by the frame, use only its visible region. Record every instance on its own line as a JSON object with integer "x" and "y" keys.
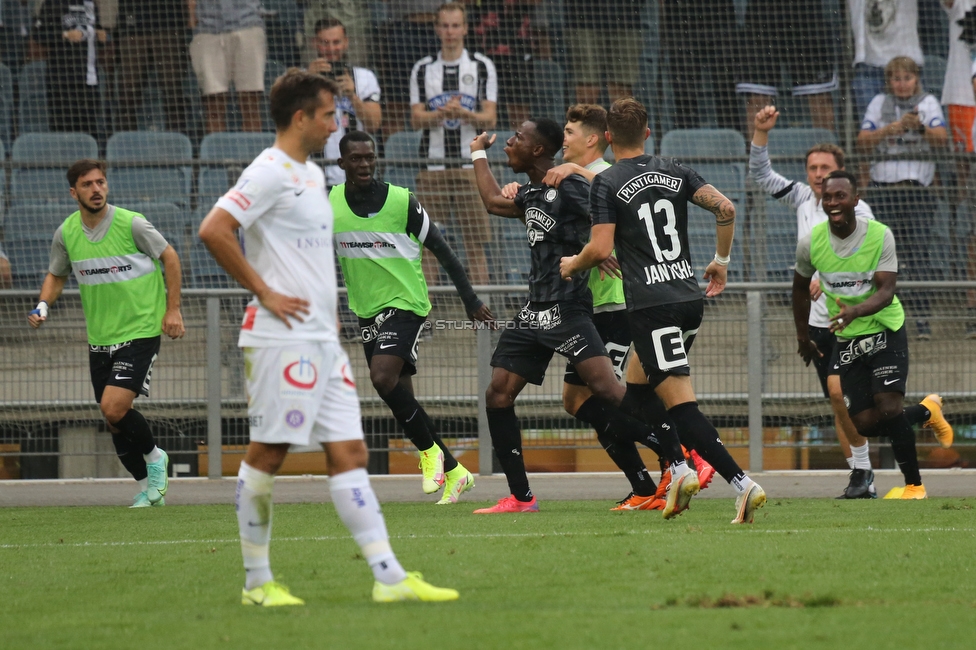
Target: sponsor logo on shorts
{"x": 347, "y": 376}
{"x": 299, "y": 373}
{"x": 371, "y": 331}
{"x": 256, "y": 421}
{"x": 867, "y": 346}
{"x": 545, "y": 319}
{"x": 294, "y": 418}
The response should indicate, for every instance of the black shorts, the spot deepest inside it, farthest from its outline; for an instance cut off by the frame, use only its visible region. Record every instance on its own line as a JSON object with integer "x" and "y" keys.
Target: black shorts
{"x": 663, "y": 335}
{"x": 827, "y": 364}
{"x": 794, "y": 33}
{"x": 126, "y": 365}
{"x": 539, "y": 329}
{"x": 395, "y": 332}
{"x": 877, "y": 363}
{"x": 614, "y": 329}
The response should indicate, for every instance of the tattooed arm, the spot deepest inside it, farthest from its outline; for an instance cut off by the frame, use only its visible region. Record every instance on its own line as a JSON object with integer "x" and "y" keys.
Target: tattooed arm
{"x": 715, "y": 202}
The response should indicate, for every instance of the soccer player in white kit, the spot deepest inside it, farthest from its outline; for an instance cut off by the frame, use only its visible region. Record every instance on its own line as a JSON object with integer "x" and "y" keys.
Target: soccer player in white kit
{"x": 299, "y": 384}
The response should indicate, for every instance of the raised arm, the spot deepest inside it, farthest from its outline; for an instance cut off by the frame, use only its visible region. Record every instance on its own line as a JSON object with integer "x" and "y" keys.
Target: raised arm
{"x": 491, "y": 194}
{"x": 716, "y": 272}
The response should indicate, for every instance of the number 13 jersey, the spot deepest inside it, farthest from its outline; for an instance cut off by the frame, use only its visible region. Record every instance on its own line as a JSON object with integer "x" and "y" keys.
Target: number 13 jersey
{"x": 647, "y": 198}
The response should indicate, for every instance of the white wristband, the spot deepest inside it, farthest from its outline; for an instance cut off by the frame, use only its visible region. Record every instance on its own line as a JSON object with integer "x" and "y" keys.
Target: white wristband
{"x": 722, "y": 261}
{"x": 41, "y": 309}
{"x": 479, "y": 154}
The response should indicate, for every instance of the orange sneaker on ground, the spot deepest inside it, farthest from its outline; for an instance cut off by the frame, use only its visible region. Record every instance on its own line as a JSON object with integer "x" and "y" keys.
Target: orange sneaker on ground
{"x": 914, "y": 492}
{"x": 510, "y": 504}
{"x": 635, "y": 502}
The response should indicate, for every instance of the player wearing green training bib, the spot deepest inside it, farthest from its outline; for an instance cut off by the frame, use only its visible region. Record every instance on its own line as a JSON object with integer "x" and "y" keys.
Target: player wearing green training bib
{"x": 380, "y": 233}
{"x": 115, "y": 255}
{"x": 858, "y": 267}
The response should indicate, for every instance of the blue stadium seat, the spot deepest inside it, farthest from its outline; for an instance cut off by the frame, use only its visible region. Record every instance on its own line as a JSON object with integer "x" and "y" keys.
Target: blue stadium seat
{"x": 29, "y": 258}
{"x": 205, "y": 273}
{"x": 171, "y": 222}
{"x": 400, "y": 146}
{"x": 235, "y": 151}
{"x": 160, "y": 176}
{"x": 36, "y": 220}
{"x": 32, "y": 108}
{"x": 549, "y": 96}
{"x": 728, "y": 177}
{"x": 57, "y": 151}
{"x": 6, "y": 105}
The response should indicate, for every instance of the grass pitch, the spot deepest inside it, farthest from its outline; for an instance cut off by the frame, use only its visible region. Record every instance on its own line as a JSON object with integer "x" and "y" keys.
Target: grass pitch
{"x": 808, "y": 574}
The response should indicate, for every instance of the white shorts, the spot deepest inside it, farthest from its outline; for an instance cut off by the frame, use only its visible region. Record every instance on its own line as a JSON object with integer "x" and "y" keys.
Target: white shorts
{"x": 301, "y": 394}
{"x": 219, "y": 59}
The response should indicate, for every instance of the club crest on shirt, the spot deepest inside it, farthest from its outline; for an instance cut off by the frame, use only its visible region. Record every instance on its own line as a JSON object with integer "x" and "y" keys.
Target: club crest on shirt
{"x": 550, "y": 195}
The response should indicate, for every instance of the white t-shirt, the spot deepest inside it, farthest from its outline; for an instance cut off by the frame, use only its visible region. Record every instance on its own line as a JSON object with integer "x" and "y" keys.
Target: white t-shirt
{"x": 884, "y": 29}
{"x": 285, "y": 213}
{"x": 957, "y": 88}
{"x": 368, "y": 90}
{"x": 894, "y": 171}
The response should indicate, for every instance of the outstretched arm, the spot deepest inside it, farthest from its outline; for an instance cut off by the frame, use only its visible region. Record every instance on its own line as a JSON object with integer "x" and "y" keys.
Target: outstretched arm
{"x": 491, "y": 194}
{"x": 718, "y": 204}
{"x": 420, "y": 226}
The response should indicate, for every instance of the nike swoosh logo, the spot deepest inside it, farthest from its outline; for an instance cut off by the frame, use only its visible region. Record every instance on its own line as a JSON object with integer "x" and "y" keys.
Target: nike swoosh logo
{"x": 576, "y": 353}
{"x": 251, "y": 523}
{"x": 889, "y": 382}
{"x": 121, "y": 378}
{"x": 297, "y": 193}
{"x": 384, "y": 347}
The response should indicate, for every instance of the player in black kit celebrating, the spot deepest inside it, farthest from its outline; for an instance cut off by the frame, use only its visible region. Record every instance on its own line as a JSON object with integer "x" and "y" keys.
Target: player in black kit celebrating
{"x": 558, "y": 315}
{"x": 640, "y": 205}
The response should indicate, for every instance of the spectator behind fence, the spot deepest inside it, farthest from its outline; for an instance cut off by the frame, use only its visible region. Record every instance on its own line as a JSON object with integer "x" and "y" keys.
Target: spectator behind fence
{"x": 406, "y": 35}
{"x": 70, "y": 33}
{"x": 883, "y": 29}
{"x": 152, "y": 33}
{"x": 959, "y": 100}
{"x": 228, "y": 46}
{"x": 453, "y": 98}
{"x": 905, "y": 120}
{"x": 6, "y": 277}
{"x": 606, "y": 47}
{"x": 354, "y": 15}
{"x": 690, "y": 56}
{"x": 358, "y": 103}
{"x": 797, "y": 34}
{"x": 503, "y": 30}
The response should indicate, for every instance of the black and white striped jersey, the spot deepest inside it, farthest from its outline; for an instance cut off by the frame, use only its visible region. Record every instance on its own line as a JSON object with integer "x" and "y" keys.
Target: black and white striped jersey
{"x": 434, "y": 82}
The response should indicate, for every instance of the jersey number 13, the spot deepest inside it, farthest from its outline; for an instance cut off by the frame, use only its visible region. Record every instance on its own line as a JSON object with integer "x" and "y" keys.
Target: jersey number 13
{"x": 673, "y": 251}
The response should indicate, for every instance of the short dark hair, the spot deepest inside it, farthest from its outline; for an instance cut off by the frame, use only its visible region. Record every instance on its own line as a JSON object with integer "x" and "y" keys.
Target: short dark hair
{"x": 827, "y": 147}
{"x": 354, "y": 136}
{"x": 841, "y": 173}
{"x": 627, "y": 122}
{"x": 82, "y": 167}
{"x": 548, "y": 134}
{"x": 328, "y": 23}
{"x": 297, "y": 90}
{"x": 593, "y": 117}
{"x": 452, "y": 6}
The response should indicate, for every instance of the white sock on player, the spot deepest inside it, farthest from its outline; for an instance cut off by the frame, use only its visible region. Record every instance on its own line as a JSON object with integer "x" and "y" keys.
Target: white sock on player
{"x": 154, "y": 456}
{"x": 253, "y": 503}
{"x": 359, "y": 510}
{"x": 741, "y": 485}
{"x": 850, "y": 462}
{"x": 862, "y": 459}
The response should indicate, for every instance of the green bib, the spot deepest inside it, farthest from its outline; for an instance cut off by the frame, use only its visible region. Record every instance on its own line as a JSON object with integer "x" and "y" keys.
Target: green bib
{"x": 380, "y": 261}
{"x": 122, "y": 290}
{"x": 609, "y": 290}
{"x": 851, "y": 280}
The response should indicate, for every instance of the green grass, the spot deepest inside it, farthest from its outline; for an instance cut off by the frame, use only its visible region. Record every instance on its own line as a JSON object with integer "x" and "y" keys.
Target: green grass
{"x": 807, "y": 574}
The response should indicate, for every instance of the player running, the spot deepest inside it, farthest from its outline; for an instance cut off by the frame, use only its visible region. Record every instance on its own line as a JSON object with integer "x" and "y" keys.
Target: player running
{"x": 805, "y": 199}
{"x": 388, "y": 293}
{"x": 640, "y": 207}
{"x": 299, "y": 385}
{"x": 115, "y": 255}
{"x": 858, "y": 266}
{"x": 558, "y": 315}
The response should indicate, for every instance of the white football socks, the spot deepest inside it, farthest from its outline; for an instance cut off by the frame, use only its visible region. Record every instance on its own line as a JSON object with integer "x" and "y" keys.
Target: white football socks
{"x": 359, "y": 510}
{"x": 850, "y": 462}
{"x": 862, "y": 457}
{"x": 741, "y": 485}
{"x": 154, "y": 456}
{"x": 253, "y": 504}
